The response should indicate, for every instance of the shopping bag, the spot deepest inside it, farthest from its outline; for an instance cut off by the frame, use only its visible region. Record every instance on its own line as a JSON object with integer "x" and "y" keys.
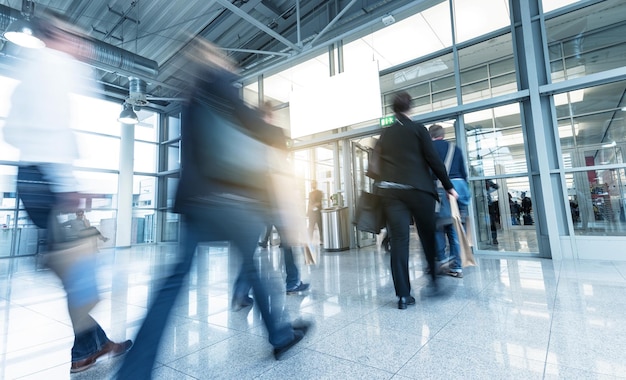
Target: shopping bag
{"x": 374, "y": 163}
{"x": 467, "y": 256}
{"x": 369, "y": 215}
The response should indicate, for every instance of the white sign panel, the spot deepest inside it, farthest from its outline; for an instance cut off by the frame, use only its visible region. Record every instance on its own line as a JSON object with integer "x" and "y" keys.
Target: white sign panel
{"x": 338, "y": 101}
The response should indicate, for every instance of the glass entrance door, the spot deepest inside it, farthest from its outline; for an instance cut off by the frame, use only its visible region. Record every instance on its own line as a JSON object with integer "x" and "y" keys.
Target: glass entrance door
{"x": 360, "y": 159}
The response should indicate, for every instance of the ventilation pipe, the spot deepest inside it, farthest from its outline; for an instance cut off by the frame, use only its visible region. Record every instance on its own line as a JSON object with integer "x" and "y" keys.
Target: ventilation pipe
{"x": 97, "y": 53}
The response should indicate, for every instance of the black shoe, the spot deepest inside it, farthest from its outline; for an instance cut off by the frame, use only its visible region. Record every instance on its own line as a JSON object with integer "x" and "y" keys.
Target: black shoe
{"x": 300, "y": 288}
{"x": 404, "y": 301}
{"x": 299, "y": 331}
{"x": 240, "y": 303}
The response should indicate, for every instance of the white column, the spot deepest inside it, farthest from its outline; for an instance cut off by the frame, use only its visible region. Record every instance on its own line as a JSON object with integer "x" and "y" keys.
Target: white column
{"x": 125, "y": 186}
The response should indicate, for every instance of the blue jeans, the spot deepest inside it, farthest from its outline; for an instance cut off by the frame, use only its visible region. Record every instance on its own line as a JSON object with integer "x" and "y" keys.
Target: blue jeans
{"x": 293, "y": 276}
{"x": 214, "y": 219}
{"x": 78, "y": 277}
{"x": 88, "y": 342}
{"x": 453, "y": 242}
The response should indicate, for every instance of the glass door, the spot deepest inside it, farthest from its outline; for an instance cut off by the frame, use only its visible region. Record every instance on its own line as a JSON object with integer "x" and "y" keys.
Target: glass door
{"x": 360, "y": 159}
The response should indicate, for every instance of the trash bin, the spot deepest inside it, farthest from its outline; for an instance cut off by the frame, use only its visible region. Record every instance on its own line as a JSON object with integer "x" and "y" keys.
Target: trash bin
{"x": 336, "y": 229}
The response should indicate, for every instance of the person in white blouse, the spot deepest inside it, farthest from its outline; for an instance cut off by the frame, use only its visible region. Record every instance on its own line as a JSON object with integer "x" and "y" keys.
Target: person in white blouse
{"x": 39, "y": 125}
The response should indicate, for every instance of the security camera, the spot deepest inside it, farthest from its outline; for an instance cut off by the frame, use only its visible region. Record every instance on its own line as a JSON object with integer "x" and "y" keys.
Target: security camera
{"x": 388, "y": 20}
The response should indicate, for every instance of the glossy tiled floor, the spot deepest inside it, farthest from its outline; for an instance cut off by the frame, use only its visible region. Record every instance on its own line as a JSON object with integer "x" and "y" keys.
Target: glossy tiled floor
{"x": 508, "y": 318}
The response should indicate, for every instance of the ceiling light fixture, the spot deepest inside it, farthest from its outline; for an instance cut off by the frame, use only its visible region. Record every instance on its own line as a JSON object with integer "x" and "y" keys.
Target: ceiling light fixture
{"x": 21, "y": 31}
{"x": 128, "y": 115}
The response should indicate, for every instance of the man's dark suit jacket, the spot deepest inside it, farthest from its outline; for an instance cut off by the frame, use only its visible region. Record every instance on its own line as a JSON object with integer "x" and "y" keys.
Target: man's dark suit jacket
{"x": 408, "y": 156}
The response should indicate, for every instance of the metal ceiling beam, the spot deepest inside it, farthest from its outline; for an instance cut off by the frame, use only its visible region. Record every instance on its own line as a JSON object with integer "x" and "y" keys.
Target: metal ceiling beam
{"x": 333, "y": 21}
{"x": 228, "y": 5}
{"x": 258, "y": 51}
{"x": 298, "y": 31}
{"x": 252, "y": 74}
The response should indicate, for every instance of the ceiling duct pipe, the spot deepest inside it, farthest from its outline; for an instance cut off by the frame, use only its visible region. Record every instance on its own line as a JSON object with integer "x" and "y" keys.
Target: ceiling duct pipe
{"x": 98, "y": 53}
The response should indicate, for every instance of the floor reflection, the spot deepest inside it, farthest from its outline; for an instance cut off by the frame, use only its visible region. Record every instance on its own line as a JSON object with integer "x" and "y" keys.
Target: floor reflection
{"x": 519, "y": 318}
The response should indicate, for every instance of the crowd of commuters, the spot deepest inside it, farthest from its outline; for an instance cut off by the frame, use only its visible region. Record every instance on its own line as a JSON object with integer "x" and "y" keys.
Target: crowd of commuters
{"x": 216, "y": 201}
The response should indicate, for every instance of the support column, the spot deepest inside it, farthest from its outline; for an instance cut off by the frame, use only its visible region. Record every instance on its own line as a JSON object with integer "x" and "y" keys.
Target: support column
{"x": 539, "y": 127}
{"x": 125, "y": 187}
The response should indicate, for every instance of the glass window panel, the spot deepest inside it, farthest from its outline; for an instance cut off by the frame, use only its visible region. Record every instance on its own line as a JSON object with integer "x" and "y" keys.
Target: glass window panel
{"x": 504, "y": 84}
{"x": 280, "y": 118}
{"x": 95, "y": 115}
{"x": 170, "y": 189}
{"x": 503, "y": 214}
{"x": 475, "y": 91}
{"x": 590, "y": 40}
{"x": 502, "y": 66}
{"x": 550, "y": 5}
{"x": 173, "y": 156}
{"x": 7, "y": 152}
{"x": 28, "y": 238}
{"x": 591, "y": 118}
{"x": 8, "y": 178}
{"x": 173, "y": 127}
{"x": 493, "y": 15}
{"x": 278, "y": 87}
{"x": 144, "y": 192}
{"x": 170, "y": 227}
{"x": 481, "y": 63}
{"x": 495, "y": 143}
{"x": 101, "y": 188}
{"x": 7, "y": 86}
{"x": 444, "y": 99}
{"x": 422, "y": 73}
{"x": 421, "y": 102}
{"x": 146, "y": 129}
{"x": 395, "y": 44}
{"x": 7, "y": 226}
{"x": 477, "y": 74}
{"x": 443, "y": 83}
{"x": 426, "y": 80}
{"x": 98, "y": 152}
{"x": 143, "y": 226}
{"x": 103, "y": 220}
{"x": 251, "y": 94}
{"x": 597, "y": 202}
{"x": 145, "y": 157}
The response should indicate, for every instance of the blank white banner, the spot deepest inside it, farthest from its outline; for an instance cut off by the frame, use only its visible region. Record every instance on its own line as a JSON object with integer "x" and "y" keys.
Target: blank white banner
{"x": 338, "y": 101}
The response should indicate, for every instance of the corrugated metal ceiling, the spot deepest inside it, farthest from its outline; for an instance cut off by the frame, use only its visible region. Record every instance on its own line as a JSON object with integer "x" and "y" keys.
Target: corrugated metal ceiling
{"x": 248, "y": 30}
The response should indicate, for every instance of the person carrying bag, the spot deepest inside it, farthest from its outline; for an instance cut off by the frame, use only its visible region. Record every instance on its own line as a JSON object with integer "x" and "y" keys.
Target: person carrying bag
{"x": 450, "y": 221}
